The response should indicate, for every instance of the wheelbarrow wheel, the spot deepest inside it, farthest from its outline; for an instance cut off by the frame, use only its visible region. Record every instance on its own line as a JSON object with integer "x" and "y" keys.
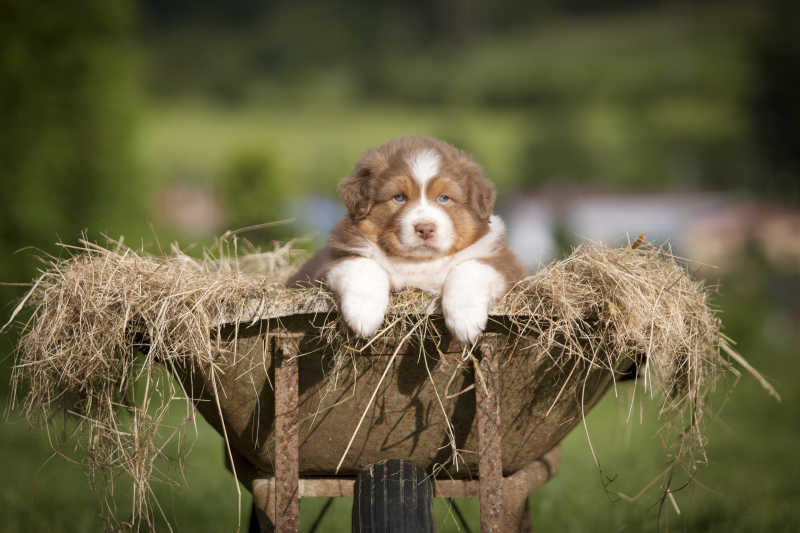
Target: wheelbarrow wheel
{"x": 393, "y": 496}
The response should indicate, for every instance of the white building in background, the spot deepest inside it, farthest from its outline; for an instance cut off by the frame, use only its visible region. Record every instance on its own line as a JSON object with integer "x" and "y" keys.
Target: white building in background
{"x": 712, "y": 228}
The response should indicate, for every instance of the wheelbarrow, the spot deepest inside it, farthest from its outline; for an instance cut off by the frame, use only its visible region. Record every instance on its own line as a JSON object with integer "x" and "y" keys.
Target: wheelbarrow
{"x": 500, "y": 408}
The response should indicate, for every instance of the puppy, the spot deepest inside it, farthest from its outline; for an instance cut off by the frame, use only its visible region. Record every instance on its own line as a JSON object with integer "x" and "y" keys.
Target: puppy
{"x": 419, "y": 215}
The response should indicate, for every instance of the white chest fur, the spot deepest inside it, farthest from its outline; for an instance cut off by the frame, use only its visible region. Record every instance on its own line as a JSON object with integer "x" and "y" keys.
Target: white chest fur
{"x": 426, "y": 275}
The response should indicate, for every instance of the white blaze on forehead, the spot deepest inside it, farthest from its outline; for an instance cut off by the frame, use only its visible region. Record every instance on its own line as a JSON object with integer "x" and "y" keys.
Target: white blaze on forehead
{"x": 424, "y": 165}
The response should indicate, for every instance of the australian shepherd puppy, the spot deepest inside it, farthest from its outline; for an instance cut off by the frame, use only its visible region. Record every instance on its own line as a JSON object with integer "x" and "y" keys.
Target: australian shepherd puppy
{"x": 419, "y": 215}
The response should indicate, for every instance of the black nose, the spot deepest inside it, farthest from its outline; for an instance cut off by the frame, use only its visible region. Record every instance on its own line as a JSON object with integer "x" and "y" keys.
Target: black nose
{"x": 425, "y": 230}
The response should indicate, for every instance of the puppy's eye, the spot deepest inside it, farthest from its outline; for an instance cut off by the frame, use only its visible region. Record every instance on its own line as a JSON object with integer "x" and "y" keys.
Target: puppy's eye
{"x": 400, "y": 198}
{"x": 443, "y": 199}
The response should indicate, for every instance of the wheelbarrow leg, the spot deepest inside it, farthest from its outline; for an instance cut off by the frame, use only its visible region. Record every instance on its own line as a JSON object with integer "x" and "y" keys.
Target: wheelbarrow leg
{"x": 262, "y": 519}
{"x": 263, "y": 515}
{"x": 516, "y": 518}
{"x": 490, "y": 457}
{"x": 286, "y": 497}
{"x": 261, "y": 486}
{"x": 518, "y": 486}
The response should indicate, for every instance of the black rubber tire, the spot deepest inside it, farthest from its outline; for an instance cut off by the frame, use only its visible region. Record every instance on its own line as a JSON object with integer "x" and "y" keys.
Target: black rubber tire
{"x": 393, "y": 496}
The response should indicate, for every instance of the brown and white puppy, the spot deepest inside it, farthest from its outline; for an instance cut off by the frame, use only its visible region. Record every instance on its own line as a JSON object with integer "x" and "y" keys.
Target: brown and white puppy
{"x": 419, "y": 215}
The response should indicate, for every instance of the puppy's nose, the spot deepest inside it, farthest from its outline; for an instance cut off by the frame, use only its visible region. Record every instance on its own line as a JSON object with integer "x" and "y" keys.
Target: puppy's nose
{"x": 425, "y": 230}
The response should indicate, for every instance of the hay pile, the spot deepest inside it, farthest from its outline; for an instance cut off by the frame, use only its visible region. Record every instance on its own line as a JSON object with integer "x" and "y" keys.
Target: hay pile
{"x": 108, "y": 318}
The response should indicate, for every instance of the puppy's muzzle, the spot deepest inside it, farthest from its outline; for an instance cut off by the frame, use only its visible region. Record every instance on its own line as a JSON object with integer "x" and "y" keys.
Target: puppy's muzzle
{"x": 425, "y": 230}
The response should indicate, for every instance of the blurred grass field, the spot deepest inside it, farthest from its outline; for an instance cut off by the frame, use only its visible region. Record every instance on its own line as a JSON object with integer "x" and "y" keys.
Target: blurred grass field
{"x": 651, "y": 100}
{"x": 314, "y": 146}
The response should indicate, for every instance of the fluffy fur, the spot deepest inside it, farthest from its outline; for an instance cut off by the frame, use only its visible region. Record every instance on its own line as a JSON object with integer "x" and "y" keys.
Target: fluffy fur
{"x": 419, "y": 215}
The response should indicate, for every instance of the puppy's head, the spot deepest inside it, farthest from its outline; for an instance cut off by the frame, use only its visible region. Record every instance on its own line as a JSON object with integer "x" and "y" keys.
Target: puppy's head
{"x": 418, "y": 198}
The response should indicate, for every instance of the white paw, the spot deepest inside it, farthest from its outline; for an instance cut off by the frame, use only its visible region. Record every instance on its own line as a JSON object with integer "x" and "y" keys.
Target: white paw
{"x": 468, "y": 290}
{"x": 363, "y": 289}
{"x": 364, "y": 312}
{"x": 467, "y": 321}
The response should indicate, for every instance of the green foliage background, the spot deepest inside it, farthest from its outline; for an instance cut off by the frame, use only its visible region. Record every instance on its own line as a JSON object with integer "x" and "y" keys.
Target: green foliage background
{"x": 105, "y": 104}
{"x": 68, "y": 99}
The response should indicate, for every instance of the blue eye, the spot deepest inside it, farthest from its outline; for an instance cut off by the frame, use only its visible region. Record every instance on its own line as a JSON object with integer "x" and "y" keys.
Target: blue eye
{"x": 400, "y": 198}
{"x": 443, "y": 199}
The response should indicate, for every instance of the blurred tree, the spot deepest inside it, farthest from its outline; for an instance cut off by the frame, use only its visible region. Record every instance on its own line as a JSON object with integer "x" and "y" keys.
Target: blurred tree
{"x": 216, "y": 48}
{"x": 66, "y": 93}
{"x": 165, "y": 14}
{"x": 775, "y": 106}
{"x": 553, "y": 153}
{"x": 253, "y": 193}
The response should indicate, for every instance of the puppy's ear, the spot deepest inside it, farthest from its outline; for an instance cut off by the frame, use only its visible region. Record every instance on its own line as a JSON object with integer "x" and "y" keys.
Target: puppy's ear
{"x": 480, "y": 190}
{"x": 482, "y": 197}
{"x": 357, "y": 189}
{"x": 355, "y": 193}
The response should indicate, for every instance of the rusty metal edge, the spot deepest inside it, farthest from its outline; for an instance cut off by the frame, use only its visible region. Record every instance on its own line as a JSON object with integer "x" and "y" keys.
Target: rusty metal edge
{"x": 257, "y": 309}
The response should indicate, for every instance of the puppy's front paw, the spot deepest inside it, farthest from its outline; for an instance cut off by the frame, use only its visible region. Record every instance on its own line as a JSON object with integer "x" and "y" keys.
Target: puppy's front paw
{"x": 363, "y": 289}
{"x": 465, "y": 319}
{"x": 468, "y": 290}
{"x": 364, "y": 312}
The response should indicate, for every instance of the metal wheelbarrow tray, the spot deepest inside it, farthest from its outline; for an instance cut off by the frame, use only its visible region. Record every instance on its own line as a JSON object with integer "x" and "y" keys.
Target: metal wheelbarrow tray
{"x": 504, "y": 409}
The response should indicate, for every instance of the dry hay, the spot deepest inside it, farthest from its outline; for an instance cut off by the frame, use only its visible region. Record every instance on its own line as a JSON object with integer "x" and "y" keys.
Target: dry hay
{"x": 91, "y": 314}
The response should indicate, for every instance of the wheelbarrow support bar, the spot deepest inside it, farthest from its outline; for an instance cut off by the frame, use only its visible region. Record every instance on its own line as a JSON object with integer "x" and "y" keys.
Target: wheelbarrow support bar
{"x": 287, "y": 457}
{"x": 490, "y": 457}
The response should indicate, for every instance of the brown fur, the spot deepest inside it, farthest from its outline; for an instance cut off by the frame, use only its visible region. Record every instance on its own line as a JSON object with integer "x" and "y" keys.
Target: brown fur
{"x": 382, "y": 173}
{"x": 507, "y": 264}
